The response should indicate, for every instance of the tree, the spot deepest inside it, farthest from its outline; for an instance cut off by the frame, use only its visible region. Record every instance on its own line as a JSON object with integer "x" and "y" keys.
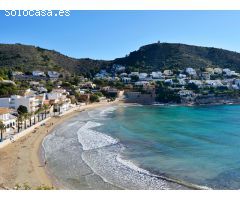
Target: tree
{"x": 22, "y": 110}
{"x": 19, "y": 122}
{"x": 192, "y": 86}
{"x": 2, "y": 129}
{"x": 7, "y": 89}
{"x": 30, "y": 117}
{"x": 45, "y": 108}
{"x": 134, "y": 78}
{"x": 165, "y": 95}
{"x": 94, "y": 98}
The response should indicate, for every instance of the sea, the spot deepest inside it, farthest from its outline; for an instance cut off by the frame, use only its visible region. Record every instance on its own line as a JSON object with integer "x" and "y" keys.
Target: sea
{"x": 147, "y": 148}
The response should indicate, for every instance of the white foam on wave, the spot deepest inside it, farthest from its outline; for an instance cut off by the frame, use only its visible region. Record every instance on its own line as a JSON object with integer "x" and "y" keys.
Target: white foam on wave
{"x": 107, "y": 163}
{"x": 101, "y": 113}
{"x": 131, "y": 165}
{"x": 107, "y": 111}
{"x": 91, "y": 139}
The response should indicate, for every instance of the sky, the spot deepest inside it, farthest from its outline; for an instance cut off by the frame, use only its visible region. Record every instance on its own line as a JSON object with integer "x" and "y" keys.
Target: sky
{"x": 113, "y": 34}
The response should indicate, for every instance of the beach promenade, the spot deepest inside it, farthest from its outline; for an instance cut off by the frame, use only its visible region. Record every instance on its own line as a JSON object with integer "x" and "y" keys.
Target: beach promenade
{"x": 20, "y": 161}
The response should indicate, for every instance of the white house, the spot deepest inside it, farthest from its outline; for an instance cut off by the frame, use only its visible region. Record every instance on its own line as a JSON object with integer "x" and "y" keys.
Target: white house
{"x": 38, "y": 73}
{"x": 102, "y": 74}
{"x": 196, "y": 82}
{"x": 228, "y": 72}
{"x": 8, "y": 120}
{"x": 141, "y": 83}
{"x": 53, "y": 74}
{"x": 142, "y": 76}
{"x": 42, "y": 90}
{"x": 206, "y": 75}
{"x": 119, "y": 68}
{"x": 218, "y": 70}
{"x": 169, "y": 81}
{"x": 190, "y": 71}
{"x": 123, "y": 74}
{"x": 156, "y": 75}
{"x": 237, "y": 82}
{"x": 182, "y": 76}
{"x": 214, "y": 83}
{"x": 126, "y": 79}
{"x": 235, "y": 87}
{"x": 182, "y": 81}
{"x": 134, "y": 74}
{"x": 168, "y": 72}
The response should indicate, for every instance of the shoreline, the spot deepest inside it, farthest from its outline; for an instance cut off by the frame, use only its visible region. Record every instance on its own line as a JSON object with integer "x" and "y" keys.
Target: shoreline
{"x": 21, "y": 162}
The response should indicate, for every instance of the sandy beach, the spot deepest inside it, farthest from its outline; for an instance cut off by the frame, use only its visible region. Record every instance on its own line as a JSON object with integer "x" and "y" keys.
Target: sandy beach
{"x": 20, "y": 161}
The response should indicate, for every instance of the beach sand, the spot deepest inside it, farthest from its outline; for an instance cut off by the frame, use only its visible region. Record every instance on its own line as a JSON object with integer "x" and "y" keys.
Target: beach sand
{"x": 20, "y": 161}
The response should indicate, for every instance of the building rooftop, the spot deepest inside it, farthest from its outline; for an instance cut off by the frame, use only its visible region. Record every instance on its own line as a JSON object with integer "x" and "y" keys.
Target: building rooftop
{"x": 4, "y": 110}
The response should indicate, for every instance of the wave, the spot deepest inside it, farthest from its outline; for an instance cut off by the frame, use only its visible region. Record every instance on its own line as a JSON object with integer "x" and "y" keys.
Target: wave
{"x": 91, "y": 139}
{"x": 107, "y": 111}
{"x": 131, "y": 165}
{"x": 101, "y": 114}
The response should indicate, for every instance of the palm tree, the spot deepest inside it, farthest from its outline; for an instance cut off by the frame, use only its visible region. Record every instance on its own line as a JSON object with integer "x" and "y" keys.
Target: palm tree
{"x": 38, "y": 113}
{"x": 34, "y": 117}
{"x": 25, "y": 117}
{"x": 19, "y": 122}
{"x": 30, "y": 117}
{"x": 45, "y": 108}
{"x": 2, "y": 129}
{"x": 54, "y": 108}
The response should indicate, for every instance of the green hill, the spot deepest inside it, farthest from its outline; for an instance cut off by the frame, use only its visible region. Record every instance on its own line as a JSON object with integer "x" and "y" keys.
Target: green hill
{"x": 151, "y": 57}
{"x": 28, "y": 58}
{"x": 168, "y": 55}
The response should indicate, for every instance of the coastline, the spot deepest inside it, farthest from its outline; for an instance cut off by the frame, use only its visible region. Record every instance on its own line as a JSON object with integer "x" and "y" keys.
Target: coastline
{"x": 21, "y": 162}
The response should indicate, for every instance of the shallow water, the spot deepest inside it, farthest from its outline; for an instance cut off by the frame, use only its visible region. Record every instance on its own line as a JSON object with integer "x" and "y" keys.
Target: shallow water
{"x": 129, "y": 147}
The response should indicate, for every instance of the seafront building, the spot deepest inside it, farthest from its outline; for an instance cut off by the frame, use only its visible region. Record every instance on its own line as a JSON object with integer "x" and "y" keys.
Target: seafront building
{"x": 8, "y": 119}
{"x": 15, "y": 101}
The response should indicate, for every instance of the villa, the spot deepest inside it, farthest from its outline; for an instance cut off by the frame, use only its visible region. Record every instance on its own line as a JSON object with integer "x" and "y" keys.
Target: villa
{"x": 191, "y": 71}
{"x": 53, "y": 74}
{"x": 38, "y": 73}
{"x": 156, "y": 75}
{"x": 168, "y": 72}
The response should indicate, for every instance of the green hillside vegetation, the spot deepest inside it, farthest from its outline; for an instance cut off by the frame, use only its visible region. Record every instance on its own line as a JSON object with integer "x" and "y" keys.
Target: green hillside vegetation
{"x": 27, "y": 58}
{"x": 159, "y": 56}
{"x": 152, "y": 57}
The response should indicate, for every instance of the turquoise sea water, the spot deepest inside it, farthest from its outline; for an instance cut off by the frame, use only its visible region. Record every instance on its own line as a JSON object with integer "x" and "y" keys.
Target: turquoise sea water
{"x": 199, "y": 145}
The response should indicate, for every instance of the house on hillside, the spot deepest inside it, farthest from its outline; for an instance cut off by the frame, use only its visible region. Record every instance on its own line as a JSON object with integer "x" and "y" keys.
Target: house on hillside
{"x": 38, "y": 73}
{"x": 53, "y": 74}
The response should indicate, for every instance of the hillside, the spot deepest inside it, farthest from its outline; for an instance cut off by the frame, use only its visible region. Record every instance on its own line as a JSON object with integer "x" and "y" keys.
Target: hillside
{"x": 151, "y": 57}
{"x": 28, "y": 57}
{"x": 166, "y": 55}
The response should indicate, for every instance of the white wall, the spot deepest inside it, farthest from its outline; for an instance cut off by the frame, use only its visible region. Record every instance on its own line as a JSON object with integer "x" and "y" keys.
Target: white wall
{"x": 4, "y": 102}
